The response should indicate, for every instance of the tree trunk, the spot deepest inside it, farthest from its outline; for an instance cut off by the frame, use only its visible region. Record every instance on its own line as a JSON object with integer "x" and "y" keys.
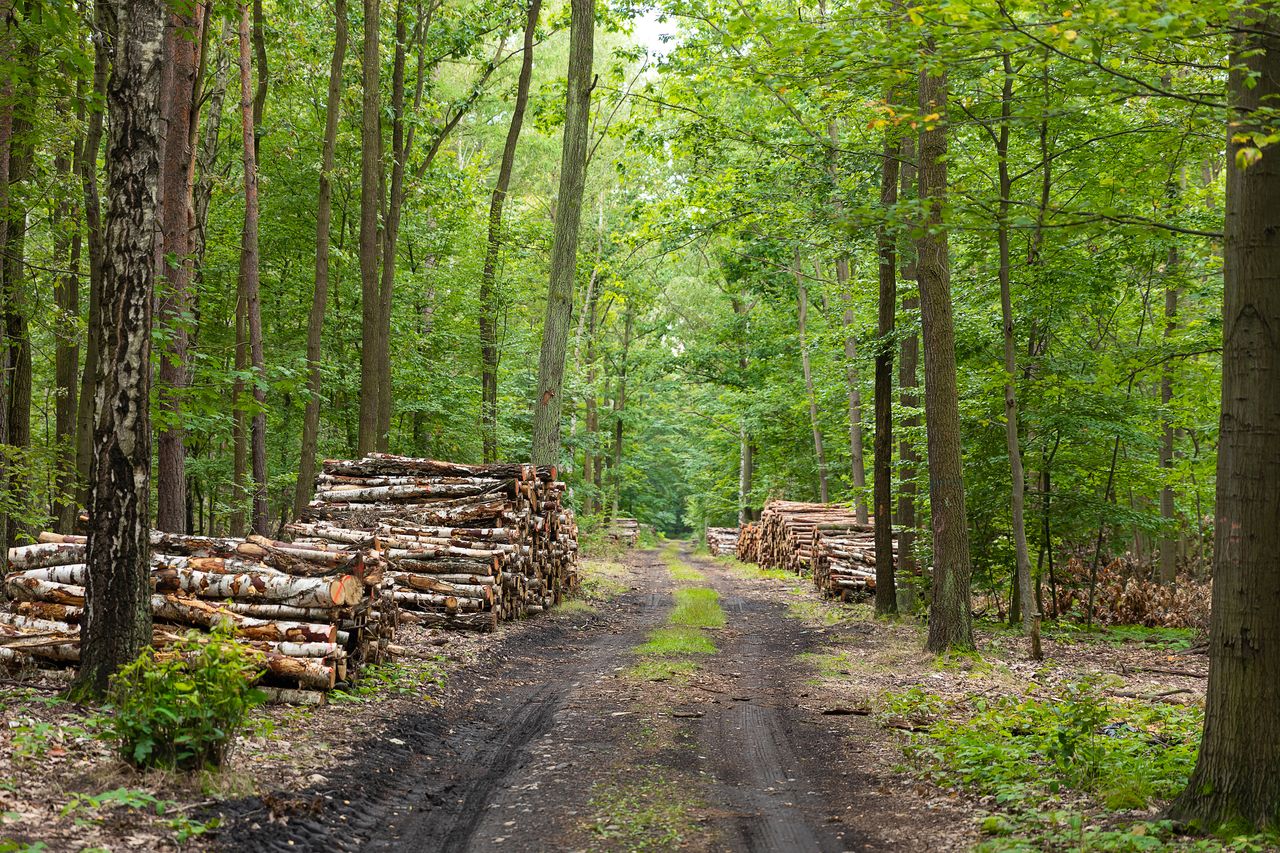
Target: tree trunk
{"x": 489, "y": 300}
{"x": 117, "y": 593}
{"x": 104, "y": 23}
{"x": 370, "y": 189}
{"x": 174, "y": 255}
{"x": 886, "y": 589}
{"x": 66, "y": 294}
{"x": 908, "y": 399}
{"x": 1168, "y": 541}
{"x": 950, "y": 619}
{"x": 619, "y": 406}
{"x": 249, "y": 263}
{"x": 802, "y": 304}
{"x": 1027, "y": 602}
{"x": 320, "y": 294}
{"x": 1237, "y": 777}
{"x": 592, "y": 459}
{"x": 564, "y": 249}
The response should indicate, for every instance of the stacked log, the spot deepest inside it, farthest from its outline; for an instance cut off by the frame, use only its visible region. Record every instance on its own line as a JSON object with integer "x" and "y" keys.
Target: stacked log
{"x": 844, "y": 561}
{"x": 466, "y": 545}
{"x": 722, "y": 540}
{"x": 314, "y": 613}
{"x": 748, "y": 549}
{"x": 625, "y": 532}
{"x": 786, "y": 532}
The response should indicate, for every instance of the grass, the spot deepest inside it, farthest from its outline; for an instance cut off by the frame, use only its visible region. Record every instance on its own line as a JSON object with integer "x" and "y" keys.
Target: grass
{"x": 680, "y": 571}
{"x": 1064, "y": 631}
{"x": 663, "y": 669}
{"x": 603, "y": 579}
{"x": 575, "y": 605}
{"x": 819, "y": 612}
{"x": 697, "y": 607}
{"x": 665, "y": 642}
{"x": 648, "y": 811}
{"x": 407, "y": 678}
{"x": 751, "y": 570}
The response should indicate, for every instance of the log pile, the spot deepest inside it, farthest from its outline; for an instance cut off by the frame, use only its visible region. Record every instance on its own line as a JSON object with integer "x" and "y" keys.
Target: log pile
{"x": 466, "y": 545}
{"x": 315, "y": 613}
{"x": 722, "y": 540}
{"x": 749, "y": 543}
{"x": 625, "y": 532}
{"x": 844, "y": 561}
{"x": 786, "y": 532}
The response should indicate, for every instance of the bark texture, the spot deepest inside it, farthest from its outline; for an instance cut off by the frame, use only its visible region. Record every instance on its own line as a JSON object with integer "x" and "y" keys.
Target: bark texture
{"x": 950, "y": 619}
{"x": 886, "y": 588}
{"x": 1237, "y": 775}
{"x": 117, "y": 593}
{"x": 371, "y": 345}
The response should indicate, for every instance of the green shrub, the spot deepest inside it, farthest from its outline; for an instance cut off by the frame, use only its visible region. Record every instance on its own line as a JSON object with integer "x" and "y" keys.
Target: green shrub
{"x": 181, "y": 707}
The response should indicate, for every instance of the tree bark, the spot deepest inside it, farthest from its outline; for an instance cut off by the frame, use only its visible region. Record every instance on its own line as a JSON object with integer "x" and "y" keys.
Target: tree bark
{"x": 320, "y": 293}
{"x": 174, "y": 262}
{"x": 249, "y": 264}
{"x": 1236, "y": 781}
{"x": 489, "y": 300}
{"x": 117, "y": 593}
{"x": 104, "y": 25}
{"x": 66, "y": 293}
{"x": 802, "y": 305}
{"x": 564, "y": 249}
{"x": 619, "y": 407}
{"x": 950, "y": 619}
{"x": 371, "y": 346}
{"x": 886, "y": 588}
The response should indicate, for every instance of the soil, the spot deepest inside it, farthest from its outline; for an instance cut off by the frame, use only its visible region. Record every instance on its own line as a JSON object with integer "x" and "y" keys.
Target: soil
{"x": 533, "y": 742}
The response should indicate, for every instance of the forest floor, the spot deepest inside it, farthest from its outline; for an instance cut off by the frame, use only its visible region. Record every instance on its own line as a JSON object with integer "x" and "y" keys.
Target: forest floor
{"x": 686, "y": 703}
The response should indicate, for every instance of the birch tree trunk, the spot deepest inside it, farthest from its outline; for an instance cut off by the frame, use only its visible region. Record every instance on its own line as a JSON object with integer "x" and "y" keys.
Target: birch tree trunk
{"x": 564, "y": 249}
{"x": 117, "y": 594}
{"x": 950, "y": 619}
{"x": 320, "y": 293}
{"x": 489, "y": 300}
{"x": 1236, "y": 781}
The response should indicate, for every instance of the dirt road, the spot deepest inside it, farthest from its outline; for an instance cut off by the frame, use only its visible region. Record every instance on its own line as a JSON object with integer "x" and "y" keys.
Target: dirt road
{"x": 555, "y": 742}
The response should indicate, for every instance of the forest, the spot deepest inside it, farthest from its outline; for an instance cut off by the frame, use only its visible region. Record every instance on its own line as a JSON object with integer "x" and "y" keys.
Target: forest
{"x": 967, "y": 302}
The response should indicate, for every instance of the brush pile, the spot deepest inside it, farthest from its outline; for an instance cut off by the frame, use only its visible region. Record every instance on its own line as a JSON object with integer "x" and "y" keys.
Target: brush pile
{"x": 748, "y": 550}
{"x": 466, "y": 545}
{"x": 625, "y": 532}
{"x": 314, "y": 612}
{"x": 722, "y": 540}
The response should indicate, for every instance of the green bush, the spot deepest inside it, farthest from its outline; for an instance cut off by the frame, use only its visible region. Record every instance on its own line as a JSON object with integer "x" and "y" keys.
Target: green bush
{"x": 180, "y": 707}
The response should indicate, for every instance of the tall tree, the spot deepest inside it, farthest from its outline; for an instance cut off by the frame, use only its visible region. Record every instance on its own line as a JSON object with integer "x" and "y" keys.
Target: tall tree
{"x": 117, "y": 621}
{"x": 177, "y": 229}
{"x": 802, "y": 317}
{"x": 950, "y": 620}
{"x": 886, "y": 589}
{"x": 1017, "y": 501}
{"x": 908, "y": 396}
{"x": 249, "y": 276}
{"x": 564, "y": 247}
{"x": 371, "y": 343}
{"x": 1237, "y": 776}
{"x": 489, "y": 299}
{"x": 320, "y": 293}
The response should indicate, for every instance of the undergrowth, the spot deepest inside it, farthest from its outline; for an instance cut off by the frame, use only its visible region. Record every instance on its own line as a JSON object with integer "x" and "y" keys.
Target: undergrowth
{"x": 751, "y": 570}
{"x": 1061, "y": 773}
{"x": 406, "y": 678}
{"x": 603, "y": 579}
